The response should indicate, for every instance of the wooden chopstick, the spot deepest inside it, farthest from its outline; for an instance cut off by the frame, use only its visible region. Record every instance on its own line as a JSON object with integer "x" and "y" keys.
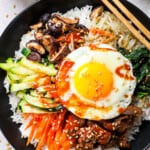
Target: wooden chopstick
{"x": 126, "y": 22}
{"x": 131, "y": 17}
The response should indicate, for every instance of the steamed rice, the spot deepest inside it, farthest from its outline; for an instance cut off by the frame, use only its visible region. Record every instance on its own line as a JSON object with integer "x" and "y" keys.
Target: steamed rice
{"x": 123, "y": 39}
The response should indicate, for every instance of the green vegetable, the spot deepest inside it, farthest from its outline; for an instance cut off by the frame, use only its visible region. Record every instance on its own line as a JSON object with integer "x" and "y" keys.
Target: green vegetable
{"x": 27, "y": 79}
{"x": 27, "y": 83}
{"x": 25, "y": 51}
{"x": 25, "y": 107}
{"x": 140, "y": 59}
{"x": 35, "y": 103}
{"x": 38, "y": 67}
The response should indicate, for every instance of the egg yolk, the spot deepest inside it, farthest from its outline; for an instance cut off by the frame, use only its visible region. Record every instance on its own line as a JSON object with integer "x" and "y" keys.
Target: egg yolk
{"x": 93, "y": 81}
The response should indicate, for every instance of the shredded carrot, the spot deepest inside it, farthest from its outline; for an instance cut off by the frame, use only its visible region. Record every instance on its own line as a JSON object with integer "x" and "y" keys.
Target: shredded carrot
{"x": 67, "y": 145}
{"x": 101, "y": 32}
{"x": 50, "y": 129}
{"x": 30, "y": 123}
{"x": 40, "y": 128}
{"x": 26, "y": 115}
{"x": 42, "y": 140}
{"x": 33, "y": 125}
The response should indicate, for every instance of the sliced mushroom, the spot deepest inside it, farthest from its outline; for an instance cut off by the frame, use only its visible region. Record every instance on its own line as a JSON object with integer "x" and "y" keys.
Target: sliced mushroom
{"x": 34, "y": 56}
{"x": 38, "y": 35}
{"x": 54, "y": 27}
{"x": 34, "y": 45}
{"x": 58, "y": 25}
{"x": 96, "y": 13}
{"x": 48, "y": 42}
{"x": 67, "y": 20}
{"x": 58, "y": 56}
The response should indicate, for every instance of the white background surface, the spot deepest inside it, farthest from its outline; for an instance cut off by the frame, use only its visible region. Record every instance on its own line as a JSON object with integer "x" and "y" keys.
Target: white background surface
{"x": 10, "y": 8}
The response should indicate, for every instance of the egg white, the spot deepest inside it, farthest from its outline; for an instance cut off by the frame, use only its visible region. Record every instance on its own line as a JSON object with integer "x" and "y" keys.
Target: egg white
{"x": 116, "y": 99}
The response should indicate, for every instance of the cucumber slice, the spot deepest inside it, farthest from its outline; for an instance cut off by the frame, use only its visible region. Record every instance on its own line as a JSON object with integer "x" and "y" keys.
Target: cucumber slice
{"x": 28, "y": 83}
{"x": 7, "y": 66}
{"x": 21, "y": 70}
{"x": 14, "y": 87}
{"x": 37, "y": 67}
{"x": 25, "y": 107}
{"x": 40, "y": 102}
{"x": 20, "y": 94}
{"x": 31, "y": 78}
{"x": 10, "y": 60}
{"x": 14, "y": 78}
{"x": 37, "y": 93}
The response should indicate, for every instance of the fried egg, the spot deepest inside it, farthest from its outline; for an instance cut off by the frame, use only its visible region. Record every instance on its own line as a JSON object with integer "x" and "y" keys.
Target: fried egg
{"x": 95, "y": 82}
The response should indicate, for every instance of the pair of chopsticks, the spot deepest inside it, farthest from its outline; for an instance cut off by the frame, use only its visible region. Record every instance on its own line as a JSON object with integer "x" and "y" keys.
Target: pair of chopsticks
{"x": 138, "y": 29}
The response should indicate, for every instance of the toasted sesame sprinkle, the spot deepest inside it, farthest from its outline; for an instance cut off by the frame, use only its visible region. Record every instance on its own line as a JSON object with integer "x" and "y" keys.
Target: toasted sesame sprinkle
{"x": 14, "y": 6}
{"x": 7, "y": 15}
{"x": 70, "y": 142}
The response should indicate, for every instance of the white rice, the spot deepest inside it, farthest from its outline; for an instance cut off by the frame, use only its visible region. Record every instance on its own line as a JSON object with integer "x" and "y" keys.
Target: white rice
{"x": 109, "y": 22}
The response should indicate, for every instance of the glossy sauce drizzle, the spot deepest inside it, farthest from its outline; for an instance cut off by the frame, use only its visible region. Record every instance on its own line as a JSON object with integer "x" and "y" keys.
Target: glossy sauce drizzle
{"x": 125, "y": 75}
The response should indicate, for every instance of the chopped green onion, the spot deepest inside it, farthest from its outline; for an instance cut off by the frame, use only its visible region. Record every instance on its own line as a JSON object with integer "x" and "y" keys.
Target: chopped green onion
{"x": 25, "y": 51}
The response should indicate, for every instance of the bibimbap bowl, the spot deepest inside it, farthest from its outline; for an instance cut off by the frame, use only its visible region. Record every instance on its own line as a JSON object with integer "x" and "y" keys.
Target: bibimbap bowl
{"x": 90, "y": 33}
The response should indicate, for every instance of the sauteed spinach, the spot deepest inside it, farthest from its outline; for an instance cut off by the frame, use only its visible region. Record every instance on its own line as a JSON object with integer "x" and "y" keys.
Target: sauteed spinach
{"x": 140, "y": 59}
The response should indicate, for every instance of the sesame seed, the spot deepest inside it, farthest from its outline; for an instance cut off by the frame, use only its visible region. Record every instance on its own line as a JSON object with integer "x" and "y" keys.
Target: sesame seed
{"x": 14, "y": 6}
{"x": 86, "y": 147}
{"x": 69, "y": 137}
{"x": 70, "y": 142}
{"x": 76, "y": 128}
{"x": 7, "y": 15}
{"x": 113, "y": 128}
{"x": 57, "y": 142}
{"x": 121, "y": 144}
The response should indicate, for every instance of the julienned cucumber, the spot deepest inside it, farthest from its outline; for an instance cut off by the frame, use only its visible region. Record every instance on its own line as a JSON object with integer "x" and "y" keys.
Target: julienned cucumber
{"x": 14, "y": 87}
{"x": 27, "y": 83}
{"x": 14, "y": 78}
{"x": 27, "y": 67}
{"x": 21, "y": 70}
{"x": 37, "y": 67}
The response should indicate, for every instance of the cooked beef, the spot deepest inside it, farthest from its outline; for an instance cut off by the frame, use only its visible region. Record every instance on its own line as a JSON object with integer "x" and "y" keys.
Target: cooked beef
{"x": 133, "y": 111}
{"x": 107, "y": 133}
{"x": 89, "y": 135}
{"x": 124, "y": 121}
